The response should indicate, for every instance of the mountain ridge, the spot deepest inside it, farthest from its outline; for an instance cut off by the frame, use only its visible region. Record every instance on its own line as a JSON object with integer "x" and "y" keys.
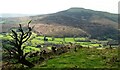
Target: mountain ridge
{"x": 96, "y": 24}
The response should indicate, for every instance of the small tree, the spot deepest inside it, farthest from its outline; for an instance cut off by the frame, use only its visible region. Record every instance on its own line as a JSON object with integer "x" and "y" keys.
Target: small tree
{"x": 18, "y": 39}
{"x": 45, "y": 38}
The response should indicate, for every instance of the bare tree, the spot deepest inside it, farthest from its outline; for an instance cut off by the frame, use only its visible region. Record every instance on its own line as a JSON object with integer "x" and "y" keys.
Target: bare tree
{"x": 18, "y": 39}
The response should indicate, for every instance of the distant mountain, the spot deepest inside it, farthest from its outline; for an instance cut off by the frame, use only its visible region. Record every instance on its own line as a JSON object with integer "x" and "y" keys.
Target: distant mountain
{"x": 73, "y": 22}
{"x": 6, "y": 15}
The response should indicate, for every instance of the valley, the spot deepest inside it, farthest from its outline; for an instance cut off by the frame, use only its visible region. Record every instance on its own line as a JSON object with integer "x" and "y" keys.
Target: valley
{"x": 70, "y": 39}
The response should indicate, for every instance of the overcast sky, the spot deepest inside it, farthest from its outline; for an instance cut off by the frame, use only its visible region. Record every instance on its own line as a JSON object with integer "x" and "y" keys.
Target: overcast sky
{"x": 52, "y": 6}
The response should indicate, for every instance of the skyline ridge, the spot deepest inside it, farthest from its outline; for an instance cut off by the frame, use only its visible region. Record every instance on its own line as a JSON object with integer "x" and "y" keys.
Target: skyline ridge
{"x": 25, "y": 14}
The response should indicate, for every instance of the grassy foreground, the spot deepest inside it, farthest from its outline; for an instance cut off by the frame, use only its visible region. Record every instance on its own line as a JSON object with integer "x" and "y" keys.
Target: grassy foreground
{"x": 83, "y": 58}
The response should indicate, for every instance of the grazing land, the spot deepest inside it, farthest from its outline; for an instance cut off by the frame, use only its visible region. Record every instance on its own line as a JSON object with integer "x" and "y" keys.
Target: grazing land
{"x": 90, "y": 55}
{"x": 70, "y": 39}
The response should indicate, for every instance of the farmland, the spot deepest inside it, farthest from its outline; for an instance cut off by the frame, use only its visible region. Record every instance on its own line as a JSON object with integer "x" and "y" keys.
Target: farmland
{"x": 92, "y": 55}
{"x": 69, "y": 39}
{"x": 39, "y": 40}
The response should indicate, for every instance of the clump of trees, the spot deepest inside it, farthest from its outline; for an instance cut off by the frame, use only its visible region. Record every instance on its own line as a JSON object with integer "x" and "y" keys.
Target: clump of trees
{"x": 18, "y": 39}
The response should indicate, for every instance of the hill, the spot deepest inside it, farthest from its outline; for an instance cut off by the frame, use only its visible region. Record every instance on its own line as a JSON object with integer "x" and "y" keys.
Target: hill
{"x": 72, "y": 22}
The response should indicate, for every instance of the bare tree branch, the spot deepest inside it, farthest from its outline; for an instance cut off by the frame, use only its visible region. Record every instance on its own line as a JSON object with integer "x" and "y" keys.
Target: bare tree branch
{"x": 18, "y": 39}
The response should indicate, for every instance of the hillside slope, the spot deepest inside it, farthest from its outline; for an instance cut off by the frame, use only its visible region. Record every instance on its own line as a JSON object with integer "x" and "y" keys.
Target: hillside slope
{"x": 74, "y": 21}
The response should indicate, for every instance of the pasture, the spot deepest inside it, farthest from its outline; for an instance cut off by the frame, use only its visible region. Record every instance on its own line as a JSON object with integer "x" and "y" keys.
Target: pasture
{"x": 91, "y": 55}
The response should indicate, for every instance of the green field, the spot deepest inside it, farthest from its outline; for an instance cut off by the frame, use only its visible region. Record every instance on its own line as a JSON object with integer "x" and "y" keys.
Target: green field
{"x": 90, "y": 56}
{"x": 83, "y": 58}
{"x": 38, "y": 40}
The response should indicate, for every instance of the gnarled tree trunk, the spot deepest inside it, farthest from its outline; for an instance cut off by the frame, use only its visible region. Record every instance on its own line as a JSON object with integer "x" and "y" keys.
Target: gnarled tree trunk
{"x": 26, "y": 62}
